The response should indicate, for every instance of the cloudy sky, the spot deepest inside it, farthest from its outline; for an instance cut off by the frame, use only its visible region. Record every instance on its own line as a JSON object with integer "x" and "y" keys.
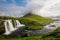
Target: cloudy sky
{"x": 18, "y": 8}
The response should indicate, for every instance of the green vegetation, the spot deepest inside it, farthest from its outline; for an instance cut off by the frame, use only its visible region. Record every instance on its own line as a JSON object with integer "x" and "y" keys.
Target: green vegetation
{"x": 51, "y": 36}
{"x": 55, "y": 34}
{"x": 30, "y": 38}
{"x": 32, "y": 22}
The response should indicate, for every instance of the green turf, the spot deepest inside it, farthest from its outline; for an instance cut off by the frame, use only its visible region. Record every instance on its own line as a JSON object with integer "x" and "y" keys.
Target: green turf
{"x": 32, "y": 22}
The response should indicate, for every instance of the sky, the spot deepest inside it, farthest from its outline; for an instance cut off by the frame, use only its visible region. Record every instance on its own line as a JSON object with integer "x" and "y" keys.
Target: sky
{"x": 19, "y": 8}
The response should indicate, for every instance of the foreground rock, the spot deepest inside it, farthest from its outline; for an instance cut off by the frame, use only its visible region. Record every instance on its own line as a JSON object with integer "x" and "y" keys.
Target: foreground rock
{"x": 21, "y": 32}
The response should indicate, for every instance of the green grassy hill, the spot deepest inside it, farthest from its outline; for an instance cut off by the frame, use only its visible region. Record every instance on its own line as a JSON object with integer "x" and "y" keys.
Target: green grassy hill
{"x": 32, "y": 22}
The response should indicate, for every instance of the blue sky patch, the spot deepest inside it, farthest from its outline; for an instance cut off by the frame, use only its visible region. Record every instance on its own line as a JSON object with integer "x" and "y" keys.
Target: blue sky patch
{"x": 17, "y": 2}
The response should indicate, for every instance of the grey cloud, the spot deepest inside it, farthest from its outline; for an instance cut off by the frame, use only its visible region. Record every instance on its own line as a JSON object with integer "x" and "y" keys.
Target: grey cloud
{"x": 39, "y": 7}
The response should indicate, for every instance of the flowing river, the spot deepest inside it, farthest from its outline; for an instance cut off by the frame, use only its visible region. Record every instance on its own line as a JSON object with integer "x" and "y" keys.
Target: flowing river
{"x": 19, "y": 30}
{"x": 48, "y": 28}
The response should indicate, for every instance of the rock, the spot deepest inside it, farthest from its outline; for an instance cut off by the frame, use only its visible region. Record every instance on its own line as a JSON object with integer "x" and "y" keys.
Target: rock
{"x": 20, "y": 32}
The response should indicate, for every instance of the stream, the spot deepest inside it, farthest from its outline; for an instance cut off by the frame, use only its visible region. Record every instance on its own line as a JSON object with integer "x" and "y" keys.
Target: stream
{"x": 48, "y": 28}
{"x": 20, "y": 31}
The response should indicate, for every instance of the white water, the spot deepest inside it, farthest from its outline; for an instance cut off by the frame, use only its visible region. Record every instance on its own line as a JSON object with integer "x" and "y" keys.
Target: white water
{"x": 6, "y": 29}
{"x": 49, "y": 28}
{"x": 9, "y": 26}
{"x": 18, "y": 24}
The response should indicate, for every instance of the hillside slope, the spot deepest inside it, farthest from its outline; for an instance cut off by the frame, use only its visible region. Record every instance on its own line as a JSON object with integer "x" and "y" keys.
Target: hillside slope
{"x": 32, "y": 22}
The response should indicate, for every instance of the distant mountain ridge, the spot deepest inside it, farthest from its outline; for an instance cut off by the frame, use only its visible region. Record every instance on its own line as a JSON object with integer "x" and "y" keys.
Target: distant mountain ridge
{"x": 55, "y": 16}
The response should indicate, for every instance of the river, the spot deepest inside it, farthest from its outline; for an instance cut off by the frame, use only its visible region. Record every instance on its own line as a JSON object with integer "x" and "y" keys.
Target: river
{"x": 48, "y": 28}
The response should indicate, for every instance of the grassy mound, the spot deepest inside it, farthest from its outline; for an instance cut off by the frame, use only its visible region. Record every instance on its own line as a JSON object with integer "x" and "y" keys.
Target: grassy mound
{"x": 34, "y": 22}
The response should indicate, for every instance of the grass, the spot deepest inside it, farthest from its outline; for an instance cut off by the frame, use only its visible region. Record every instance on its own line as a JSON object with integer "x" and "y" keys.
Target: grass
{"x": 35, "y": 22}
{"x": 55, "y": 35}
{"x": 30, "y": 38}
{"x": 32, "y": 22}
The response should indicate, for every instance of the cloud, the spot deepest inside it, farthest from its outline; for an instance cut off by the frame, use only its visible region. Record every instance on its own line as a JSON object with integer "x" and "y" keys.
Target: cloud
{"x": 35, "y": 5}
{"x": 44, "y": 7}
{"x": 11, "y": 10}
{"x": 39, "y": 7}
{"x": 51, "y": 8}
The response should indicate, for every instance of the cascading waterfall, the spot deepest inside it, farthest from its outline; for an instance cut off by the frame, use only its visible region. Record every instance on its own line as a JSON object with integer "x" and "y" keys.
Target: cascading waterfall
{"x": 6, "y": 28}
{"x": 18, "y": 24}
{"x": 48, "y": 28}
{"x": 9, "y": 26}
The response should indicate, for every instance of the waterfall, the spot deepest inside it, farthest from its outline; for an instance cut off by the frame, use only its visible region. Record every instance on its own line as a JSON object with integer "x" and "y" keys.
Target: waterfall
{"x": 9, "y": 26}
{"x": 6, "y": 28}
{"x": 18, "y": 24}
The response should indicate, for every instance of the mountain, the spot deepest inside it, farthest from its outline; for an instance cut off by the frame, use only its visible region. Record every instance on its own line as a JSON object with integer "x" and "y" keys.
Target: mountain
{"x": 32, "y": 22}
{"x": 54, "y": 16}
{"x": 57, "y": 16}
